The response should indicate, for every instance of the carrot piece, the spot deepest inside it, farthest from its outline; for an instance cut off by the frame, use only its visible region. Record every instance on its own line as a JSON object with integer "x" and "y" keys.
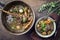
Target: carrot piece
{"x": 28, "y": 24}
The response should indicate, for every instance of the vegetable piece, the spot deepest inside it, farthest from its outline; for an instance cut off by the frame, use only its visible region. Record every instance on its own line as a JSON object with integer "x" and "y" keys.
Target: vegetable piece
{"x": 43, "y": 25}
{"x": 21, "y": 10}
{"x": 25, "y": 27}
{"x": 25, "y": 9}
{"x": 38, "y": 25}
{"x": 49, "y": 32}
{"x": 12, "y": 27}
{"x": 43, "y": 29}
{"x": 24, "y": 19}
{"x": 15, "y": 9}
{"x": 18, "y": 27}
{"x": 11, "y": 10}
{"x": 29, "y": 10}
{"x": 26, "y": 14}
{"x": 44, "y": 33}
{"x": 47, "y": 21}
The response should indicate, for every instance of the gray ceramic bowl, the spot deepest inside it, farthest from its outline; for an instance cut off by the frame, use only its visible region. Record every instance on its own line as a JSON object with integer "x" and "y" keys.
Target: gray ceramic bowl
{"x": 3, "y": 16}
{"x": 45, "y": 36}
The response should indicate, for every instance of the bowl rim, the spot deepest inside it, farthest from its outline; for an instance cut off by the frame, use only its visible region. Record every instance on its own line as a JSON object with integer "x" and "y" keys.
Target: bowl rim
{"x": 46, "y": 35}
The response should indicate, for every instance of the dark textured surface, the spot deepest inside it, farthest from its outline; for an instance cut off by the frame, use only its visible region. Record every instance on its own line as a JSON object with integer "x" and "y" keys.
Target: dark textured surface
{"x": 4, "y": 35}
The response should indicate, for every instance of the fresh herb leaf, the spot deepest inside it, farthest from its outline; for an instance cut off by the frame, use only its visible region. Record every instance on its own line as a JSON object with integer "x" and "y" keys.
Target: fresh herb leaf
{"x": 43, "y": 26}
{"x": 49, "y": 6}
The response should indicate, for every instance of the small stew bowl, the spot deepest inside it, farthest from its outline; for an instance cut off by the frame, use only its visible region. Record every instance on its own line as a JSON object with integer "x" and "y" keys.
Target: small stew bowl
{"x": 49, "y": 35}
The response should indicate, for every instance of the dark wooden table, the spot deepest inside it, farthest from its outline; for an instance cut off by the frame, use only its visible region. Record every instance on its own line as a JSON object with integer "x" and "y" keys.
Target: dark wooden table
{"x": 4, "y": 35}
